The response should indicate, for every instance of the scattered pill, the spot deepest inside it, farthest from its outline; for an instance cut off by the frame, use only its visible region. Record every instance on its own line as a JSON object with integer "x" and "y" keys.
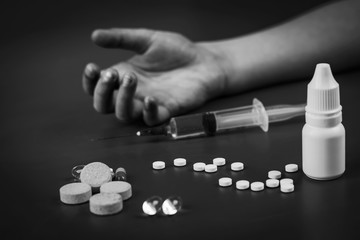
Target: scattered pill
{"x": 199, "y": 166}
{"x": 158, "y": 165}
{"x": 95, "y": 174}
{"x": 225, "y": 182}
{"x": 274, "y": 174}
{"x": 120, "y": 175}
{"x": 272, "y": 183}
{"x": 210, "y": 168}
{"x": 219, "y": 161}
{"x": 171, "y": 205}
{"x": 287, "y": 187}
{"x": 242, "y": 184}
{"x": 120, "y": 187}
{"x": 237, "y": 166}
{"x": 152, "y": 205}
{"x": 106, "y": 203}
{"x": 257, "y": 186}
{"x": 75, "y": 193}
{"x": 179, "y": 162}
{"x": 290, "y": 168}
{"x": 286, "y": 180}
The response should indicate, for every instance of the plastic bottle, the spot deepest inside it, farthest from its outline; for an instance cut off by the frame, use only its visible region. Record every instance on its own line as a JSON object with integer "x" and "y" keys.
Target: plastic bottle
{"x": 323, "y": 136}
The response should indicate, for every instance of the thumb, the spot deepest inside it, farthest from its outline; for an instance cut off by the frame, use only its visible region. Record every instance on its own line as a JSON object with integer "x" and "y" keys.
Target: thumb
{"x": 137, "y": 40}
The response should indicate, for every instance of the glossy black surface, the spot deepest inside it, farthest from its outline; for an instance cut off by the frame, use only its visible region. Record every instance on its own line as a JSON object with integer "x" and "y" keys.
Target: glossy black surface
{"x": 47, "y": 124}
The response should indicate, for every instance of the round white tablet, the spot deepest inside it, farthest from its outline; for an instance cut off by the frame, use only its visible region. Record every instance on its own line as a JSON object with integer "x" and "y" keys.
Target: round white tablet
{"x": 106, "y": 203}
{"x": 210, "y": 168}
{"x": 120, "y": 187}
{"x": 242, "y": 184}
{"x": 272, "y": 183}
{"x": 95, "y": 174}
{"x": 274, "y": 174}
{"x": 237, "y": 166}
{"x": 257, "y": 186}
{"x": 225, "y": 182}
{"x": 199, "y": 166}
{"x": 75, "y": 193}
{"x": 219, "y": 161}
{"x": 286, "y": 180}
{"x": 291, "y": 168}
{"x": 179, "y": 162}
{"x": 287, "y": 188}
{"x": 158, "y": 165}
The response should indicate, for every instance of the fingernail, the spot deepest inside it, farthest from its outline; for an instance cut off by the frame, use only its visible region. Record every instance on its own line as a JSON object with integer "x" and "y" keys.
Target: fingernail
{"x": 127, "y": 81}
{"x": 89, "y": 71}
{"x": 108, "y": 76}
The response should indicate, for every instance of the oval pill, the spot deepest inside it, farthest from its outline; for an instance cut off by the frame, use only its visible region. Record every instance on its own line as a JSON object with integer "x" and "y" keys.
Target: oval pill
{"x": 225, "y": 182}
{"x": 290, "y": 168}
{"x": 274, "y": 174}
{"x": 106, "y": 203}
{"x": 199, "y": 166}
{"x": 286, "y": 180}
{"x": 95, "y": 174}
{"x": 242, "y": 184}
{"x": 179, "y": 162}
{"x": 257, "y": 186}
{"x": 158, "y": 165}
{"x": 75, "y": 193}
{"x": 237, "y": 166}
{"x": 210, "y": 168}
{"x": 287, "y": 188}
{"x": 219, "y": 161}
{"x": 120, "y": 187}
{"x": 272, "y": 183}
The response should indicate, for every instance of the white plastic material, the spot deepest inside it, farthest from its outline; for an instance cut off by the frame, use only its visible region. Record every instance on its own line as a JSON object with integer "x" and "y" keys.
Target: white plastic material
{"x": 219, "y": 161}
{"x": 199, "y": 166}
{"x": 272, "y": 183}
{"x": 257, "y": 186}
{"x": 158, "y": 165}
{"x": 179, "y": 162}
{"x": 225, "y": 182}
{"x": 290, "y": 168}
{"x": 210, "y": 168}
{"x": 237, "y": 166}
{"x": 274, "y": 174}
{"x": 286, "y": 181}
{"x": 242, "y": 184}
{"x": 287, "y": 188}
{"x": 323, "y": 136}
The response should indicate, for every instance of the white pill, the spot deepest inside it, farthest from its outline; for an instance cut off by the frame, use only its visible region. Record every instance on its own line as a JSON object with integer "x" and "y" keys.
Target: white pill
{"x": 95, "y": 174}
{"x": 158, "y": 165}
{"x": 219, "y": 161}
{"x": 179, "y": 162}
{"x": 286, "y": 181}
{"x": 272, "y": 183}
{"x": 199, "y": 166}
{"x": 237, "y": 166}
{"x": 274, "y": 174}
{"x": 287, "y": 188}
{"x": 75, "y": 193}
{"x": 106, "y": 203}
{"x": 210, "y": 168}
{"x": 291, "y": 168}
{"x": 242, "y": 184}
{"x": 120, "y": 187}
{"x": 225, "y": 182}
{"x": 257, "y": 186}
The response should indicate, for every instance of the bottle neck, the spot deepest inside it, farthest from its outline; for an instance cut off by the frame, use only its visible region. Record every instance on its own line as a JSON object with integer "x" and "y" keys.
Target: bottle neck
{"x": 323, "y": 120}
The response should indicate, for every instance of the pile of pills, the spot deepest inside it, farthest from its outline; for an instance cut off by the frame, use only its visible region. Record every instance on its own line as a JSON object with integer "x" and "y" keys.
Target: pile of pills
{"x": 104, "y": 189}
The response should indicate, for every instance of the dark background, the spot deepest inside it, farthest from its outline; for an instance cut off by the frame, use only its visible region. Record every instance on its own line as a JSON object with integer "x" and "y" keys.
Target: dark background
{"x": 47, "y": 123}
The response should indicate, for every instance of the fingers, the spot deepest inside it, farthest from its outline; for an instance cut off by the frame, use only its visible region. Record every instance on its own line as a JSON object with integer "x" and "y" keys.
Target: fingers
{"x": 154, "y": 114}
{"x": 90, "y": 77}
{"x": 137, "y": 40}
{"x": 103, "y": 94}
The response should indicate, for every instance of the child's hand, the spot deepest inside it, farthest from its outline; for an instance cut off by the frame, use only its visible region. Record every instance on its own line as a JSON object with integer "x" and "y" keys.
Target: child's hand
{"x": 169, "y": 76}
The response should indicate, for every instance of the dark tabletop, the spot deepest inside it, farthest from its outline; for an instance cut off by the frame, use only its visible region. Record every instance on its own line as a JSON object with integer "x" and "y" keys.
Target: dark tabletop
{"x": 47, "y": 124}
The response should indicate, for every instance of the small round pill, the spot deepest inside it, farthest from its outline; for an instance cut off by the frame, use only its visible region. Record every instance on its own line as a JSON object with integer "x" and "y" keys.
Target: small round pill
{"x": 272, "y": 183}
{"x": 95, "y": 174}
{"x": 242, "y": 184}
{"x": 219, "y": 161}
{"x": 75, "y": 193}
{"x": 290, "y": 168}
{"x": 225, "y": 182}
{"x": 120, "y": 187}
{"x": 199, "y": 166}
{"x": 287, "y": 188}
{"x": 237, "y": 166}
{"x": 286, "y": 180}
{"x": 179, "y": 162}
{"x": 274, "y": 174}
{"x": 158, "y": 165}
{"x": 257, "y": 186}
{"x": 210, "y": 168}
{"x": 106, "y": 203}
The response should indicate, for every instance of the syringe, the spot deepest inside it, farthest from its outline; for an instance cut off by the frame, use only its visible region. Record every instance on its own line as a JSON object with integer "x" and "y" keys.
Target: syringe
{"x": 211, "y": 123}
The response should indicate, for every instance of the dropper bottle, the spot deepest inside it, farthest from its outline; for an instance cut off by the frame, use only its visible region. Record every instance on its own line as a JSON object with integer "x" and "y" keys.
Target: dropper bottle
{"x": 323, "y": 135}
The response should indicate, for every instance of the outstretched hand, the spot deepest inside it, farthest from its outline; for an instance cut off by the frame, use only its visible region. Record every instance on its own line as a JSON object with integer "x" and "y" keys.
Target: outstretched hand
{"x": 168, "y": 76}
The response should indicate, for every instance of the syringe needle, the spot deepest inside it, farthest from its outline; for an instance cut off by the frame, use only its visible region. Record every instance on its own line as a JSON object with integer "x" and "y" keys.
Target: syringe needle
{"x": 111, "y": 138}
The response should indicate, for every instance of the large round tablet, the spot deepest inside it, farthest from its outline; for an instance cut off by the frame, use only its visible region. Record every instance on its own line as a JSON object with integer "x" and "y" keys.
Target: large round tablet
{"x": 106, "y": 203}
{"x": 75, "y": 193}
{"x": 95, "y": 174}
{"x": 120, "y": 187}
